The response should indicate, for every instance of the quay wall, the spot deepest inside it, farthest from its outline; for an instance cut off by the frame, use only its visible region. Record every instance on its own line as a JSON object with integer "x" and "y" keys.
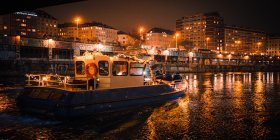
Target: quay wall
{"x": 19, "y": 56}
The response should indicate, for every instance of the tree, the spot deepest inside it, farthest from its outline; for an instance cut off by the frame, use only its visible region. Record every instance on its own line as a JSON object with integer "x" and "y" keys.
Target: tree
{"x": 188, "y": 44}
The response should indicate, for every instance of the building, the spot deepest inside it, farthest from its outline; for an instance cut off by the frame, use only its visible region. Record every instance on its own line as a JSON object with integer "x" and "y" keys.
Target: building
{"x": 34, "y": 24}
{"x": 159, "y": 38}
{"x": 203, "y": 30}
{"x": 89, "y": 32}
{"x": 125, "y": 39}
{"x": 273, "y": 46}
{"x": 244, "y": 40}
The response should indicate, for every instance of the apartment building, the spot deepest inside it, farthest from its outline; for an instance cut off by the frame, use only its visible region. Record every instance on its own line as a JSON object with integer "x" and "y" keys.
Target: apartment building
{"x": 89, "y": 32}
{"x": 33, "y": 24}
{"x": 273, "y": 46}
{"x": 204, "y": 30}
{"x": 244, "y": 40}
{"x": 160, "y": 38}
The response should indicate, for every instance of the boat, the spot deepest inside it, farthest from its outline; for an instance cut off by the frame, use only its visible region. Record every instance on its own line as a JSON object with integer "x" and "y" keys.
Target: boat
{"x": 100, "y": 84}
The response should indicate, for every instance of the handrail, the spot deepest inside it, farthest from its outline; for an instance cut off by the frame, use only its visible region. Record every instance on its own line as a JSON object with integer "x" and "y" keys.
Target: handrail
{"x": 51, "y": 80}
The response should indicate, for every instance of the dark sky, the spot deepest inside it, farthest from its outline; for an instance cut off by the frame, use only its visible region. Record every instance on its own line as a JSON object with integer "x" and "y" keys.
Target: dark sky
{"x": 130, "y": 14}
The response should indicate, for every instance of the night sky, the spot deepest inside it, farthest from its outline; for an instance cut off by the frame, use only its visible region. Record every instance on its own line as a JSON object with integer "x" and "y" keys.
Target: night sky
{"x": 127, "y": 15}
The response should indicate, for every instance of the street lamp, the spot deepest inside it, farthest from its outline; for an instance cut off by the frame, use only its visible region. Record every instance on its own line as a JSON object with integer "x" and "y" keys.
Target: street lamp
{"x": 259, "y": 44}
{"x": 140, "y": 32}
{"x": 77, "y": 20}
{"x": 176, "y": 37}
{"x": 207, "y": 39}
{"x": 229, "y": 56}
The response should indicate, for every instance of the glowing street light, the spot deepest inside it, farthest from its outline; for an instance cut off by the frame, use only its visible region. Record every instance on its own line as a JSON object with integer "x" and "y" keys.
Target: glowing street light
{"x": 77, "y": 21}
{"x": 207, "y": 39}
{"x": 50, "y": 44}
{"x": 259, "y": 44}
{"x": 141, "y": 29}
{"x": 229, "y": 56}
{"x": 176, "y": 37}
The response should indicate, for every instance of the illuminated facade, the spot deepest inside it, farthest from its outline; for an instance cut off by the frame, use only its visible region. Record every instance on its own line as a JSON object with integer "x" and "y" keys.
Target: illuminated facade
{"x": 89, "y": 32}
{"x": 203, "y": 30}
{"x": 125, "y": 40}
{"x": 244, "y": 40}
{"x": 35, "y": 24}
{"x": 273, "y": 46}
{"x": 160, "y": 38}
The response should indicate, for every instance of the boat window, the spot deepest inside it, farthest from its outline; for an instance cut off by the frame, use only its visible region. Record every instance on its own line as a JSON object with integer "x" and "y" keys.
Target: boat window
{"x": 80, "y": 67}
{"x": 103, "y": 68}
{"x": 136, "y": 69}
{"x": 120, "y": 68}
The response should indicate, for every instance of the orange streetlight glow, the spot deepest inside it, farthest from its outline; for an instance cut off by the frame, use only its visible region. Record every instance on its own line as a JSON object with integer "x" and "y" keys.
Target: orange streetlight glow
{"x": 77, "y": 20}
{"x": 207, "y": 39}
{"x": 141, "y": 29}
{"x": 259, "y": 44}
{"x": 176, "y": 37}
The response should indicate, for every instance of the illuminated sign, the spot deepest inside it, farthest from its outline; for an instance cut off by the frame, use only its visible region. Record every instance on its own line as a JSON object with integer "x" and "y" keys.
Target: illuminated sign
{"x": 27, "y": 13}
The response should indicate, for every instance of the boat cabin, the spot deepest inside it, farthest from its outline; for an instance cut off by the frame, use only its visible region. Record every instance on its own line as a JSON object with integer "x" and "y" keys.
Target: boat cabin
{"x": 95, "y": 71}
{"x": 103, "y": 71}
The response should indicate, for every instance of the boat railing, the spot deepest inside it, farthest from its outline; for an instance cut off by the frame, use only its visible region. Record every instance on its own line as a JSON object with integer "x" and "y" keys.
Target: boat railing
{"x": 54, "y": 80}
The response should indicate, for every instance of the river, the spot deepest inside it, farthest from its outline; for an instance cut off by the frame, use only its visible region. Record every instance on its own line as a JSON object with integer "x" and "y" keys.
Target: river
{"x": 216, "y": 106}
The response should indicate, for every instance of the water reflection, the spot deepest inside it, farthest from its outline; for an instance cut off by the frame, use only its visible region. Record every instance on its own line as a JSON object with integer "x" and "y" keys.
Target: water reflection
{"x": 216, "y": 106}
{"x": 4, "y": 104}
{"x": 222, "y": 105}
{"x": 169, "y": 121}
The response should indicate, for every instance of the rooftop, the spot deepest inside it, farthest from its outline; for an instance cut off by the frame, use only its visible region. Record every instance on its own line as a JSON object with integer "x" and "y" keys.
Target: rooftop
{"x": 161, "y": 30}
{"x": 87, "y": 24}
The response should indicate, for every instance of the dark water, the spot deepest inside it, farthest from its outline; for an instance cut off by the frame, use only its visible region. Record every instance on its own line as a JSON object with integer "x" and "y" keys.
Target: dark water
{"x": 216, "y": 106}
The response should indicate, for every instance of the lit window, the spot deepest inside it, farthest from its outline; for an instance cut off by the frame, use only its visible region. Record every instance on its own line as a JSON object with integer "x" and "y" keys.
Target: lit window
{"x": 136, "y": 69}
{"x": 23, "y": 33}
{"x": 54, "y": 25}
{"x": 33, "y": 30}
{"x": 28, "y": 30}
{"x": 5, "y": 27}
{"x": 119, "y": 68}
{"x": 23, "y": 24}
{"x": 28, "y": 17}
